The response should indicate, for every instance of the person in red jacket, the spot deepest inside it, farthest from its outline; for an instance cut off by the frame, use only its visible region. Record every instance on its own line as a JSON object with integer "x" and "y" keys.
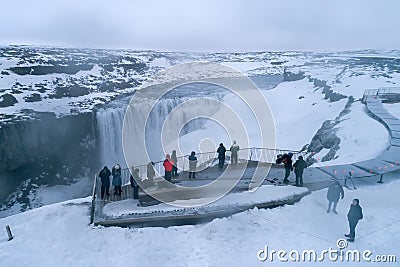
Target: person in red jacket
{"x": 168, "y": 165}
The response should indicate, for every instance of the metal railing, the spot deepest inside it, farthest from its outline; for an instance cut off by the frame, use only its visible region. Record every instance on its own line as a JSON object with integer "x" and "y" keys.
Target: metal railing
{"x": 382, "y": 91}
{"x": 210, "y": 159}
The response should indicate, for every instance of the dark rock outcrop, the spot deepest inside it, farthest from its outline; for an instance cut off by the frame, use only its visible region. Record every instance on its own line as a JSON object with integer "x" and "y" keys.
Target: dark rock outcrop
{"x": 53, "y": 150}
{"x": 7, "y": 100}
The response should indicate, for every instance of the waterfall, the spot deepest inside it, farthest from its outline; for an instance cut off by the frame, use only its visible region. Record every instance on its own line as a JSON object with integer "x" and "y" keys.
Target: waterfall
{"x": 110, "y": 122}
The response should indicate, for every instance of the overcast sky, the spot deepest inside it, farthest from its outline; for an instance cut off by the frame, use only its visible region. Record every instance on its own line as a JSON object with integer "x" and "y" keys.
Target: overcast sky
{"x": 203, "y": 25}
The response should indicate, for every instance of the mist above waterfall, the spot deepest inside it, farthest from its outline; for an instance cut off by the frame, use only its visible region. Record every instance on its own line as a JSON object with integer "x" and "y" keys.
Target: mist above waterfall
{"x": 190, "y": 132}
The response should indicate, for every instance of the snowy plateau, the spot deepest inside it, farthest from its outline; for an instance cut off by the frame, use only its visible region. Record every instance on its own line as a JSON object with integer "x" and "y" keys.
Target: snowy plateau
{"x": 61, "y": 114}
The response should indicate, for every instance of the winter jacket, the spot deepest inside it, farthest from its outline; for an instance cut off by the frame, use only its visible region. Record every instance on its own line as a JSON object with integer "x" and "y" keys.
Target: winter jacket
{"x": 355, "y": 213}
{"x": 105, "y": 177}
{"x": 117, "y": 181}
{"x": 150, "y": 171}
{"x": 287, "y": 160}
{"x": 221, "y": 152}
{"x": 133, "y": 180}
{"x": 192, "y": 162}
{"x": 299, "y": 166}
{"x": 334, "y": 192}
{"x": 168, "y": 165}
{"x": 234, "y": 149}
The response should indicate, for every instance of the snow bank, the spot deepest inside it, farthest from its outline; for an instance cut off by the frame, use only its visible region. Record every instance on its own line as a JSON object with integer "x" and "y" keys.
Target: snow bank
{"x": 59, "y": 235}
{"x": 265, "y": 193}
{"x": 361, "y": 137}
{"x": 299, "y": 111}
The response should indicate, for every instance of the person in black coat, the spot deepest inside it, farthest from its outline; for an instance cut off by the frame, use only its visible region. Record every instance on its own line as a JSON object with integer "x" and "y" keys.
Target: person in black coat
{"x": 105, "y": 181}
{"x": 287, "y": 161}
{"x": 134, "y": 184}
{"x": 221, "y": 155}
{"x": 335, "y": 191}
{"x": 354, "y": 215}
{"x": 299, "y": 167}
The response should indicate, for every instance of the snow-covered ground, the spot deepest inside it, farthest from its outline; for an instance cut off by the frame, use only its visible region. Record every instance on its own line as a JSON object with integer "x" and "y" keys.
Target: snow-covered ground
{"x": 265, "y": 193}
{"x": 59, "y": 235}
{"x": 299, "y": 107}
{"x": 361, "y": 137}
{"x": 45, "y": 195}
{"x": 299, "y": 111}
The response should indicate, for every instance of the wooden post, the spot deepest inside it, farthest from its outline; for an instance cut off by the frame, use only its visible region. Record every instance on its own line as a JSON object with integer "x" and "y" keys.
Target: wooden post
{"x": 381, "y": 179}
{"x": 10, "y": 236}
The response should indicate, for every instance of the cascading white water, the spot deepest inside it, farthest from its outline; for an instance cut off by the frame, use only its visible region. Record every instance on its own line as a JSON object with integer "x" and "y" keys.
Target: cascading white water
{"x": 109, "y": 125}
{"x": 110, "y": 122}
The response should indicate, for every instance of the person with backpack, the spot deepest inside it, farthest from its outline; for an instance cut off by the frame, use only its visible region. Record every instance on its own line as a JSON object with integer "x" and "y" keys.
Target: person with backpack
{"x": 175, "y": 166}
{"x": 105, "y": 181}
{"x": 299, "y": 167}
{"x": 287, "y": 161}
{"x": 117, "y": 180}
{"x": 335, "y": 191}
{"x": 192, "y": 165}
{"x": 134, "y": 184}
{"x": 234, "y": 152}
{"x": 354, "y": 215}
{"x": 168, "y": 164}
{"x": 221, "y": 156}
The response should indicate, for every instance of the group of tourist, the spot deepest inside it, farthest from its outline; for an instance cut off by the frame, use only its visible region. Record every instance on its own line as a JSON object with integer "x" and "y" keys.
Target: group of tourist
{"x": 105, "y": 174}
{"x": 170, "y": 162}
{"x": 335, "y": 190}
{"x": 116, "y": 174}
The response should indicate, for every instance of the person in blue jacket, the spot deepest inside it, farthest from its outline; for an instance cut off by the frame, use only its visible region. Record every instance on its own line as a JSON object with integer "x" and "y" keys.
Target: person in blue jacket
{"x": 117, "y": 180}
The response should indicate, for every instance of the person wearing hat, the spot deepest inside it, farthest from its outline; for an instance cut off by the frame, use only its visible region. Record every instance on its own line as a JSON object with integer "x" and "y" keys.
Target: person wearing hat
{"x": 354, "y": 215}
{"x": 117, "y": 180}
